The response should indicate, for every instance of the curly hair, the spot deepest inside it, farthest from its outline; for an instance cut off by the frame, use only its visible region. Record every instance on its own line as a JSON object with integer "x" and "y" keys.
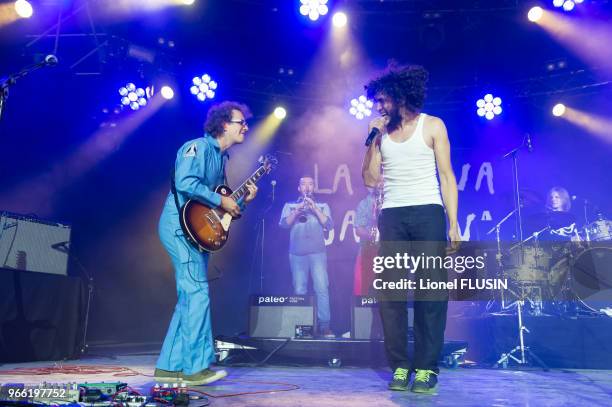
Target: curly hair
{"x": 405, "y": 85}
{"x": 220, "y": 114}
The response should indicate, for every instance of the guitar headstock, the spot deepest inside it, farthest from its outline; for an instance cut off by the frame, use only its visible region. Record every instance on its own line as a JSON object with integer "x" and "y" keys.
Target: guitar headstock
{"x": 268, "y": 162}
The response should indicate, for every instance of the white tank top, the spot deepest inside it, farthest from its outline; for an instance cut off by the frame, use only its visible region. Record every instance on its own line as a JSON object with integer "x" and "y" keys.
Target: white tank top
{"x": 409, "y": 171}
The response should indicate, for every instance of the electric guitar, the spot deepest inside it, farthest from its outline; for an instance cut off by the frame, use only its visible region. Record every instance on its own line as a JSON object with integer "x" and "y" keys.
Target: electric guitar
{"x": 207, "y": 228}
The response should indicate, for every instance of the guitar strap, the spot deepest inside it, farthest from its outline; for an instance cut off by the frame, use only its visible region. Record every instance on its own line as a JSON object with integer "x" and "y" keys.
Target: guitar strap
{"x": 173, "y": 189}
{"x": 226, "y": 158}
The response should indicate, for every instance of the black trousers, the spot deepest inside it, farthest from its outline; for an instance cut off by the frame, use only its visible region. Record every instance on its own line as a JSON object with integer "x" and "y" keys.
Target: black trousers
{"x": 422, "y": 230}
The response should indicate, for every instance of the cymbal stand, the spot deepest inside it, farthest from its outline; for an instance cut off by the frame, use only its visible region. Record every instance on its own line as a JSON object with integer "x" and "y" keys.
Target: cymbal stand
{"x": 525, "y": 354}
{"x": 499, "y": 254}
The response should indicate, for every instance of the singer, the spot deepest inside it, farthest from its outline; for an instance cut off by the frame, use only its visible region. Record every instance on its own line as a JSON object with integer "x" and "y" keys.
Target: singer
{"x": 408, "y": 147}
{"x": 308, "y": 220}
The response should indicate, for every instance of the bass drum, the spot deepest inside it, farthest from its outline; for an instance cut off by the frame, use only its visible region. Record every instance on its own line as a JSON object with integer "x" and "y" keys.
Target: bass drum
{"x": 589, "y": 278}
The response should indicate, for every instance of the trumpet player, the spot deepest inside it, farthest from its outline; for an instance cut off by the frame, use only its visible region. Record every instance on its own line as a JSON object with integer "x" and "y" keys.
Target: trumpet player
{"x": 307, "y": 221}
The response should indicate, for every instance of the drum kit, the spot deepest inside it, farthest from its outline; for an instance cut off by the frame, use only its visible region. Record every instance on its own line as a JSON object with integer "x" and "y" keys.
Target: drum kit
{"x": 557, "y": 277}
{"x": 569, "y": 273}
{"x": 549, "y": 276}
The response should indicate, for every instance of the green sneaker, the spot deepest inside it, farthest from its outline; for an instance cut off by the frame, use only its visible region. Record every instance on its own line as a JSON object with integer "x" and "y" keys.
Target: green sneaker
{"x": 425, "y": 381}
{"x": 401, "y": 378}
{"x": 205, "y": 376}
{"x": 162, "y": 375}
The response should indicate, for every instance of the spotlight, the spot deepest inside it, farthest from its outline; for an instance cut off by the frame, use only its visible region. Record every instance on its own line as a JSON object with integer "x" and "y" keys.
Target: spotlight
{"x": 361, "y": 107}
{"x": 188, "y": 2}
{"x": 280, "y": 113}
{"x": 313, "y": 8}
{"x": 567, "y": 5}
{"x": 23, "y": 9}
{"x": 535, "y": 13}
{"x": 339, "y": 19}
{"x": 489, "y": 106}
{"x": 558, "y": 110}
{"x": 203, "y": 87}
{"x": 167, "y": 92}
{"x": 134, "y": 97}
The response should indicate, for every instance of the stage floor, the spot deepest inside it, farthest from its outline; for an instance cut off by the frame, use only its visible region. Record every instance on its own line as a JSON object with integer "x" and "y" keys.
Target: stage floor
{"x": 347, "y": 386}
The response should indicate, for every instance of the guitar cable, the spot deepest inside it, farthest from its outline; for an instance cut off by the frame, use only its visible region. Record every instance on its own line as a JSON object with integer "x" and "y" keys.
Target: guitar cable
{"x": 208, "y": 280}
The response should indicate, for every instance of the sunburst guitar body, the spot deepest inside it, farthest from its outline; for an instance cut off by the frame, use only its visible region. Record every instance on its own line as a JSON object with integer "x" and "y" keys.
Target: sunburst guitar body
{"x": 207, "y": 228}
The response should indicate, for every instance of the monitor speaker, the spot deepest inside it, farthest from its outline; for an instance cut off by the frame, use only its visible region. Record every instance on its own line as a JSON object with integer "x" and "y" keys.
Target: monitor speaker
{"x": 272, "y": 316}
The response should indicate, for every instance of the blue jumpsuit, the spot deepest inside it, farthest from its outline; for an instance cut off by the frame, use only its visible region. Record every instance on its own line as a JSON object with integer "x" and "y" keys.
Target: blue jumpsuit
{"x": 188, "y": 346}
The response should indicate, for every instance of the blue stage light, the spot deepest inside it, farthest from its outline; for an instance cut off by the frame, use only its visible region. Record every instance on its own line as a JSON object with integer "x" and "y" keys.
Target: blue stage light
{"x": 203, "y": 87}
{"x": 567, "y": 5}
{"x": 133, "y": 96}
{"x": 489, "y": 106}
{"x": 313, "y": 8}
{"x": 361, "y": 107}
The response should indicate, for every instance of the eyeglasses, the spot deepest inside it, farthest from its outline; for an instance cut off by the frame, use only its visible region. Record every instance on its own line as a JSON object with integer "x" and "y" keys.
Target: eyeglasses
{"x": 242, "y": 122}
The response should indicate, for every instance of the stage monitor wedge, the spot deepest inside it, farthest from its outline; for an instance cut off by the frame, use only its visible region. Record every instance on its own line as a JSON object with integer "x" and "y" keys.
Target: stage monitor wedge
{"x": 274, "y": 316}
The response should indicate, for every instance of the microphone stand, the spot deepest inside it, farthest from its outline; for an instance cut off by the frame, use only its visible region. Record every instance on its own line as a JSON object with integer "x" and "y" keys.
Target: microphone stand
{"x": 9, "y": 81}
{"x": 261, "y": 226}
{"x": 525, "y": 355}
{"x": 515, "y": 183}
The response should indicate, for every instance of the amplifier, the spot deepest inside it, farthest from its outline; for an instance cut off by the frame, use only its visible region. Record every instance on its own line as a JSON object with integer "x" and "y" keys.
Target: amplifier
{"x": 365, "y": 318}
{"x": 32, "y": 244}
{"x": 274, "y": 316}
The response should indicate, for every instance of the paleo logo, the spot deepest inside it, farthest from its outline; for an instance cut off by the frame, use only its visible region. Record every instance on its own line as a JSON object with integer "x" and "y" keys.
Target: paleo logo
{"x": 271, "y": 300}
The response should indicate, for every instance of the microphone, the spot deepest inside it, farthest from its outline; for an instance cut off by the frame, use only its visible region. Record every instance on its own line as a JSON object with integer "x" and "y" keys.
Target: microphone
{"x": 273, "y": 183}
{"x": 529, "y": 145}
{"x": 50, "y": 60}
{"x": 375, "y": 131}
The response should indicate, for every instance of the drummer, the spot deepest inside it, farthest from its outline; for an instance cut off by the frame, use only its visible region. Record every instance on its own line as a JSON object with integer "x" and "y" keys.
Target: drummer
{"x": 561, "y": 221}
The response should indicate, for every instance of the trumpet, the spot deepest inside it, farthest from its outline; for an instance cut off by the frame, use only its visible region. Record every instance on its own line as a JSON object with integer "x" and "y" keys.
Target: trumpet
{"x": 303, "y": 218}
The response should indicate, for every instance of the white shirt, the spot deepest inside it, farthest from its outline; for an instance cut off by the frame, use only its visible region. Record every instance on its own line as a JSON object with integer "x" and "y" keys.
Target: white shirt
{"x": 409, "y": 171}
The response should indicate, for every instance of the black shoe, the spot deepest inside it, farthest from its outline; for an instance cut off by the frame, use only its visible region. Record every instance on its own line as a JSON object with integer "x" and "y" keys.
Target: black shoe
{"x": 401, "y": 378}
{"x": 425, "y": 381}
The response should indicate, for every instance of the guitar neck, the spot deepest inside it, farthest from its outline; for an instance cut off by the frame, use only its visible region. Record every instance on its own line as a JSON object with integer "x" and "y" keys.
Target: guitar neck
{"x": 242, "y": 191}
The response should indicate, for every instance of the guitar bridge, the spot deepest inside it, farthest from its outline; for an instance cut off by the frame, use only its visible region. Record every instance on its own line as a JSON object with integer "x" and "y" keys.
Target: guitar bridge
{"x": 210, "y": 220}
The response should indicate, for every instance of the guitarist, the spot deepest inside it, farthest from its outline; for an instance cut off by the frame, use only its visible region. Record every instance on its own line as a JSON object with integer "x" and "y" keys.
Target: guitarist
{"x": 188, "y": 350}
